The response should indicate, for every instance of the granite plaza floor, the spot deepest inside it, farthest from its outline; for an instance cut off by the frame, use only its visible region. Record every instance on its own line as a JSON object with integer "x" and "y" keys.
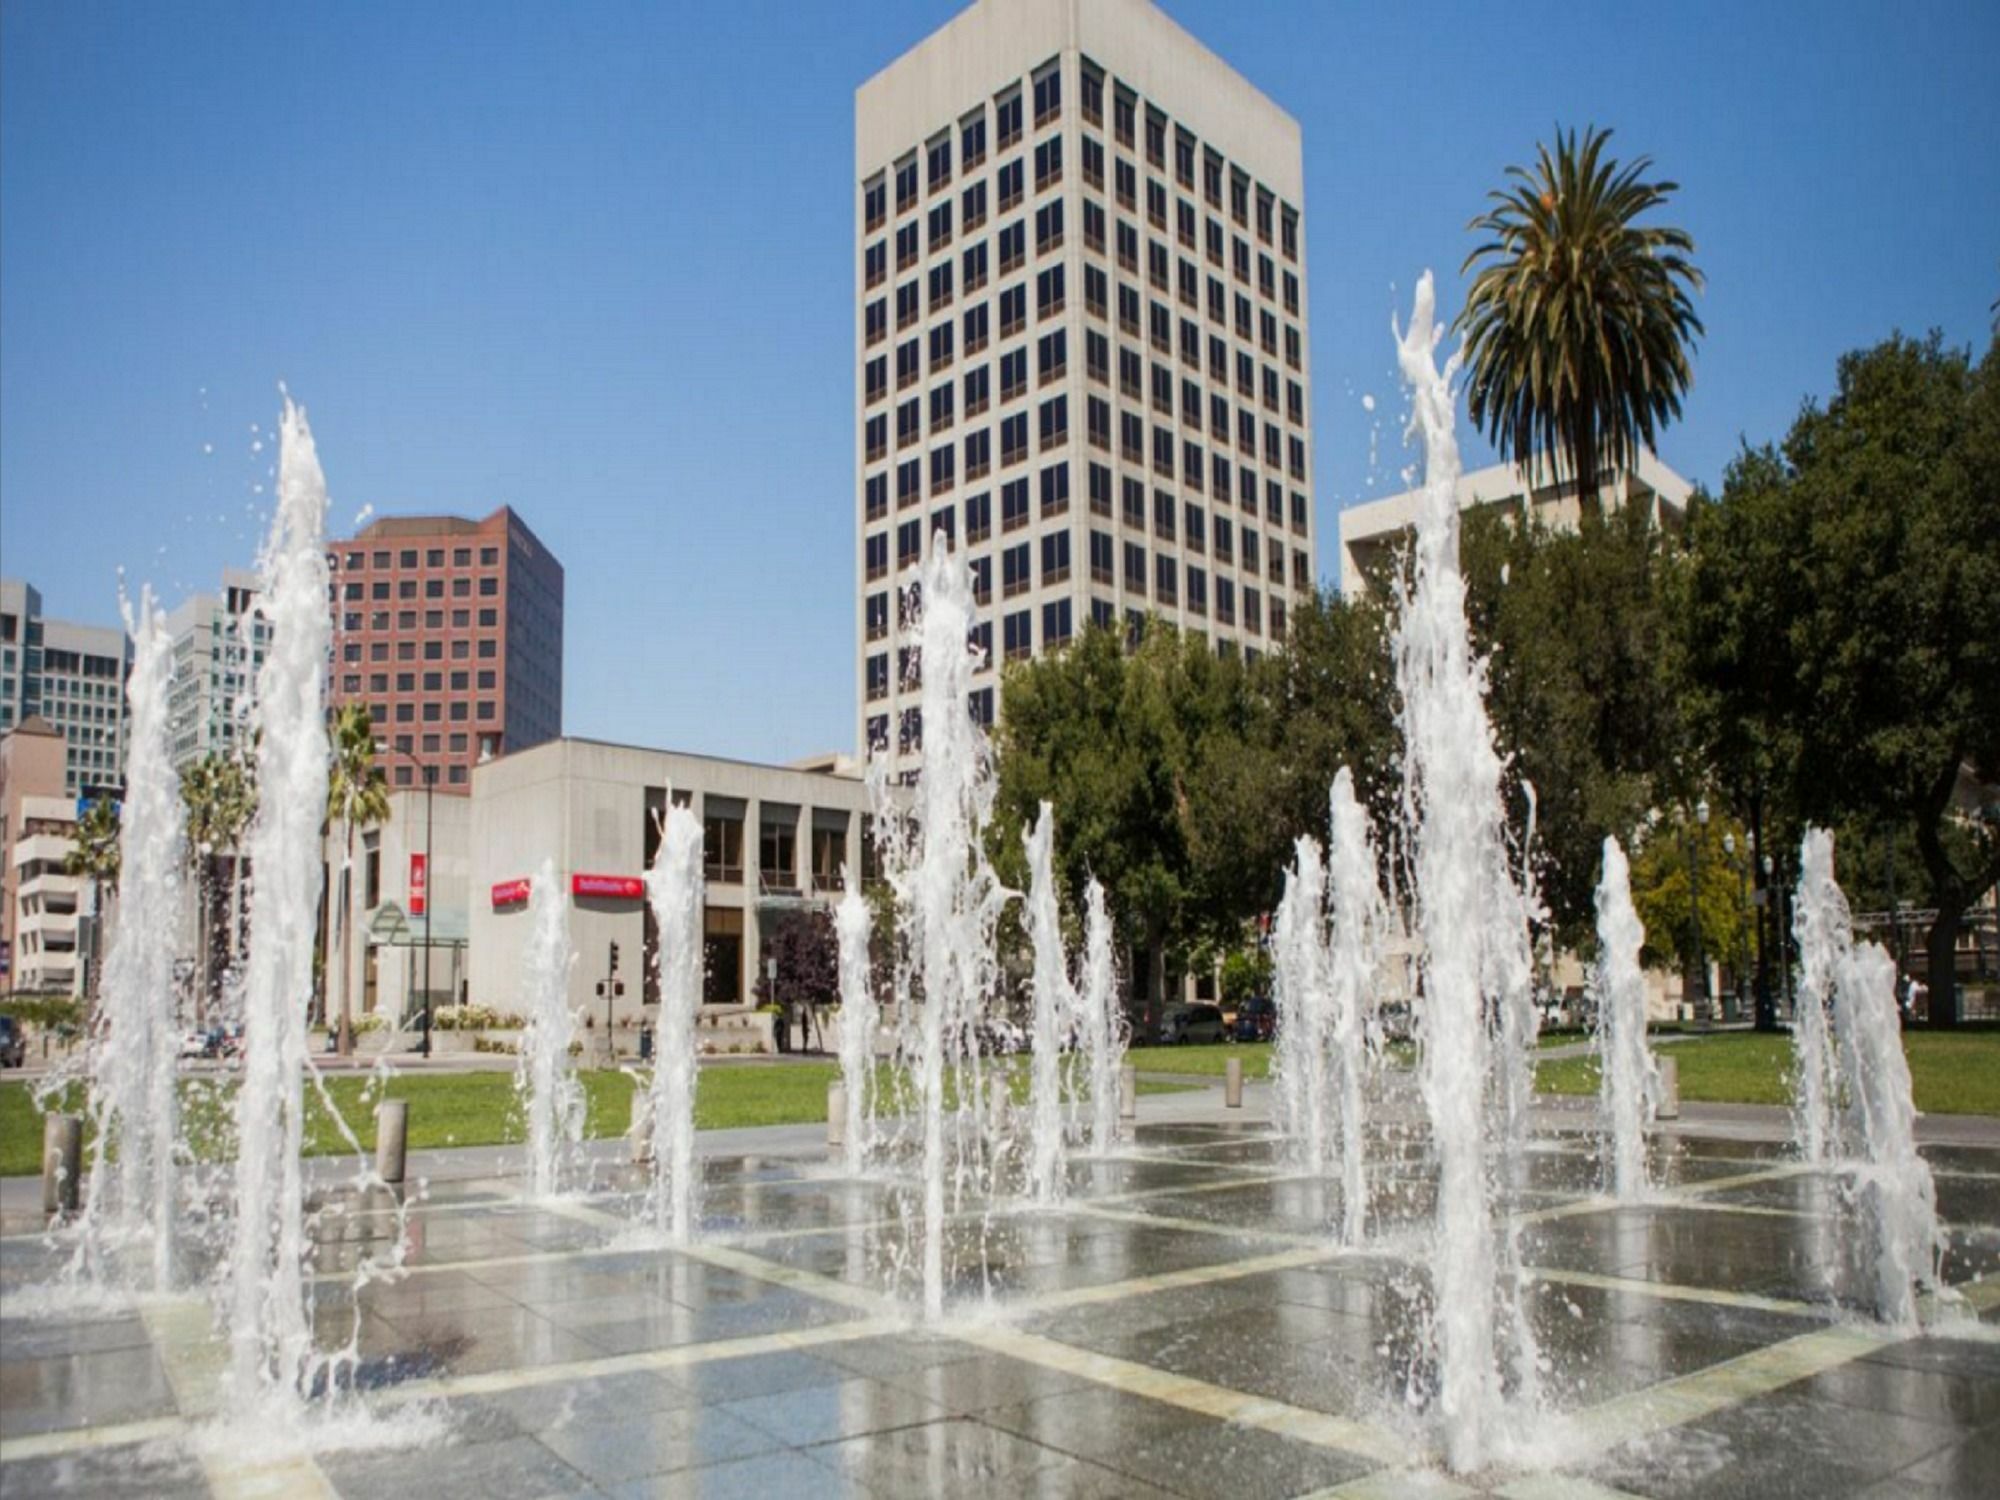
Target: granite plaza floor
{"x": 1183, "y": 1326}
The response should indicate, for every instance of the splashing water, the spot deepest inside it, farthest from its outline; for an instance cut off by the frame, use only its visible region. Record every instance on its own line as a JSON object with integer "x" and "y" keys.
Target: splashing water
{"x": 1101, "y": 1022}
{"x": 1625, "y": 1064}
{"x": 1473, "y": 920}
{"x": 675, "y": 886}
{"x": 1825, "y": 936}
{"x": 859, "y": 1019}
{"x": 551, "y": 1096}
{"x": 1355, "y": 940}
{"x": 1054, "y": 1016}
{"x": 1304, "y": 997}
{"x": 271, "y": 1347}
{"x": 950, "y": 901}
{"x": 133, "y": 1101}
{"x": 1875, "y": 1129}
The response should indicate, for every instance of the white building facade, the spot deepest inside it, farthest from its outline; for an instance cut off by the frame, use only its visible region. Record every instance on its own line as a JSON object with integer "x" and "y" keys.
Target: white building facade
{"x": 777, "y": 839}
{"x": 1373, "y": 535}
{"x": 1081, "y": 342}
{"x": 219, "y": 641}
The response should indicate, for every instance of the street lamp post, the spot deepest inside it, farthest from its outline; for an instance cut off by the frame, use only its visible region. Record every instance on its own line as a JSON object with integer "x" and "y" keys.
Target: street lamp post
{"x": 430, "y": 876}
{"x": 1741, "y": 957}
{"x": 1701, "y": 996}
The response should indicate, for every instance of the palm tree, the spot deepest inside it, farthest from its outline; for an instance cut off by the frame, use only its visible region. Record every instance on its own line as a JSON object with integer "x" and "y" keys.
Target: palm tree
{"x": 1578, "y": 326}
{"x": 357, "y": 792}
{"x": 95, "y": 855}
{"x": 220, "y": 794}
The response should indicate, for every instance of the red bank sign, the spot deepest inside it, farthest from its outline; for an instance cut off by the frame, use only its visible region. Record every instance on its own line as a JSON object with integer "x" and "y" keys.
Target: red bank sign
{"x": 510, "y": 893}
{"x": 617, "y": 887}
{"x": 419, "y": 884}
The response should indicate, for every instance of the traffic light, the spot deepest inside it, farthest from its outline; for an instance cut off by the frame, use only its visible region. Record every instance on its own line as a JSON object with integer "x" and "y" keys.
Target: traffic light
{"x": 614, "y": 958}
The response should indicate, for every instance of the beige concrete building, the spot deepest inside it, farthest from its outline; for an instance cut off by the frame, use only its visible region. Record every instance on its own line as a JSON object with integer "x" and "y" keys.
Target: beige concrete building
{"x": 38, "y": 903}
{"x": 1081, "y": 341}
{"x": 1373, "y": 535}
{"x": 777, "y": 838}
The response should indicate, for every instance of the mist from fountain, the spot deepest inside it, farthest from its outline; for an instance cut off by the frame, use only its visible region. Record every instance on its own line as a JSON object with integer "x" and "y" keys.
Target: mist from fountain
{"x": 1873, "y": 1135}
{"x": 675, "y": 886}
{"x": 130, "y": 1204}
{"x": 1101, "y": 1025}
{"x": 1625, "y": 1064}
{"x": 270, "y": 1331}
{"x": 1472, "y": 918}
{"x": 1356, "y": 934}
{"x": 1055, "y": 1011}
{"x": 860, "y": 1017}
{"x": 545, "y": 1080}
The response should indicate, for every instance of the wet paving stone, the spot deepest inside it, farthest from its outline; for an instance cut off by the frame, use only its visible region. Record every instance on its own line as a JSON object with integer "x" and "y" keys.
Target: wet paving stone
{"x": 1095, "y": 1348}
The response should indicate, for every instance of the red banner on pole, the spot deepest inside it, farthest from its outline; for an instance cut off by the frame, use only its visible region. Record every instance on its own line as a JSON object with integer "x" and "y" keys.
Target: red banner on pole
{"x": 419, "y": 884}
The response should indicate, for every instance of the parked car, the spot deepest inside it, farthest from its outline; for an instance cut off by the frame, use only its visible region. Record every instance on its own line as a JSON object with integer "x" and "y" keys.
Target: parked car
{"x": 1190, "y": 1023}
{"x": 1256, "y": 1019}
{"x": 13, "y": 1043}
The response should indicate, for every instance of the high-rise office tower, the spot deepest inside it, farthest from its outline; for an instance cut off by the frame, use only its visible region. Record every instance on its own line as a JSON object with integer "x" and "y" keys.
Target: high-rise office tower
{"x": 1080, "y": 330}
{"x": 72, "y": 676}
{"x": 451, "y": 631}
{"x": 219, "y": 645}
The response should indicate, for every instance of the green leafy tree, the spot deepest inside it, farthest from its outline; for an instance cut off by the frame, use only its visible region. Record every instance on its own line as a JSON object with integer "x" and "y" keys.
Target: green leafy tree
{"x": 1842, "y": 619}
{"x": 1581, "y": 688}
{"x": 220, "y": 795}
{"x": 1578, "y": 324}
{"x": 357, "y": 796}
{"x": 1664, "y": 878}
{"x": 94, "y": 854}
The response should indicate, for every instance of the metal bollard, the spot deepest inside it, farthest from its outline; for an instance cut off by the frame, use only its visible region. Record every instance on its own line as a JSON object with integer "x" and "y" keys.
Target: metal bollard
{"x": 1670, "y": 1089}
{"x": 1232, "y": 1083}
{"x": 1128, "y": 1093}
{"x": 62, "y": 1163}
{"x": 836, "y": 1114}
{"x": 642, "y": 1126}
{"x": 392, "y": 1135}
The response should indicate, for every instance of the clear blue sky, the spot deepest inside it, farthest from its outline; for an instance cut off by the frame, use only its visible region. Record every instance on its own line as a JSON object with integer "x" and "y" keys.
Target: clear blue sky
{"x": 594, "y": 261}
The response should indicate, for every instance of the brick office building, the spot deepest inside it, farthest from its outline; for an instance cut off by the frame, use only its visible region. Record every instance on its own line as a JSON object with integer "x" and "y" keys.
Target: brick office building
{"x": 451, "y": 631}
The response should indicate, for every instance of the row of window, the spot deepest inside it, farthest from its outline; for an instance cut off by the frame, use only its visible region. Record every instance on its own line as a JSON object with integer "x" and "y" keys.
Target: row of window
{"x": 1218, "y": 180}
{"x": 406, "y": 588}
{"x": 406, "y": 619}
{"x": 433, "y": 712}
{"x": 433, "y": 557}
{"x": 406, "y": 682}
{"x": 430, "y": 650}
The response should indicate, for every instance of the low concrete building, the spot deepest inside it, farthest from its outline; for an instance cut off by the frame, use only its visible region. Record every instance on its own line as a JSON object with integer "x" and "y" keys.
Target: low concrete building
{"x": 1373, "y": 534}
{"x": 777, "y": 838}
{"x": 410, "y": 867}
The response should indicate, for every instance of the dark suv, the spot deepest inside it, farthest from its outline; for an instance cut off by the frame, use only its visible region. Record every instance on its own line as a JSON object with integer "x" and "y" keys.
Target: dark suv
{"x": 13, "y": 1043}
{"x": 1256, "y": 1020}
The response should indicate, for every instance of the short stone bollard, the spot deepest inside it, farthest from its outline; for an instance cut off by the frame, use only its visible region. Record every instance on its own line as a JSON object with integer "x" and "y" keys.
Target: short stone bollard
{"x": 1670, "y": 1089}
{"x": 1128, "y": 1093}
{"x": 998, "y": 1098}
{"x": 1232, "y": 1083}
{"x": 62, "y": 1163}
{"x": 642, "y": 1126}
{"x": 392, "y": 1136}
{"x": 836, "y": 1114}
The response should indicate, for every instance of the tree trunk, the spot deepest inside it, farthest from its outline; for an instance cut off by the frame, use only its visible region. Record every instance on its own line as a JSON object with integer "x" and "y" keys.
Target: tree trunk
{"x": 1941, "y": 948}
{"x": 346, "y": 942}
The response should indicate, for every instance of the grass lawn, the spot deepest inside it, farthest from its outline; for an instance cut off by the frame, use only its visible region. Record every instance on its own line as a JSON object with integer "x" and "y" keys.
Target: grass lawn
{"x": 478, "y": 1109}
{"x": 1204, "y": 1060}
{"x": 1950, "y": 1073}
